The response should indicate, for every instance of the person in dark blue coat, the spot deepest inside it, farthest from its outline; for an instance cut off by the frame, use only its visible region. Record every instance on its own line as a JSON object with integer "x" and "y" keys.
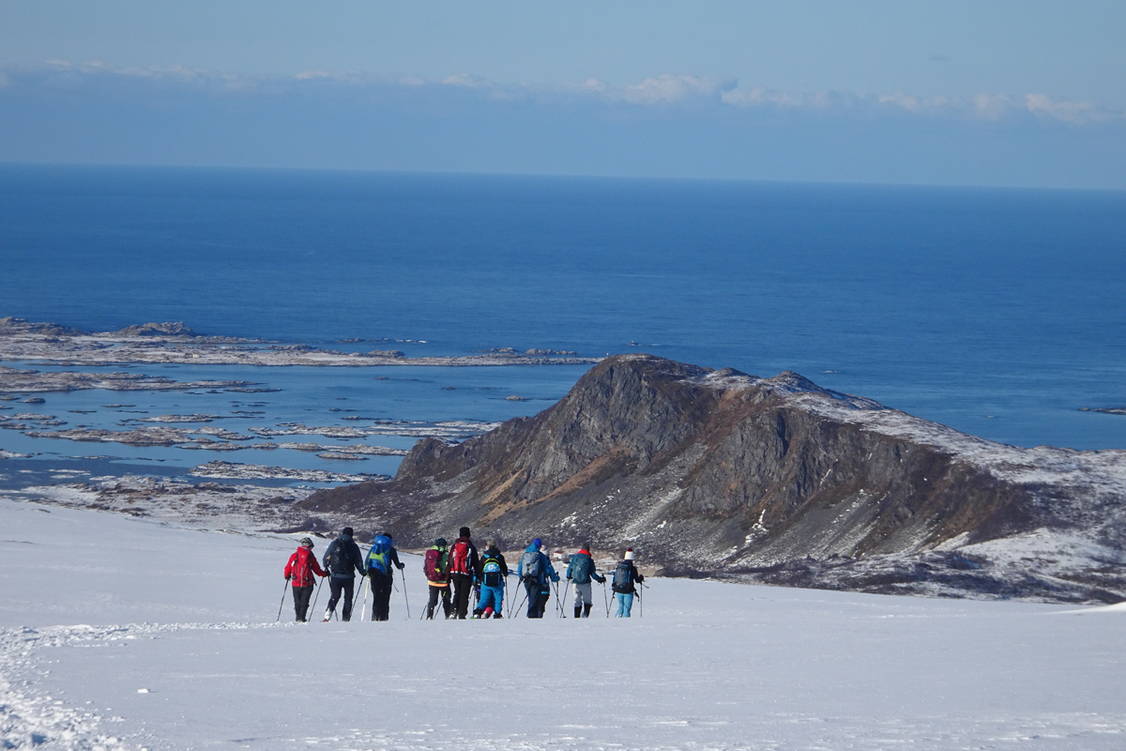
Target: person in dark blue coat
{"x": 536, "y": 571}
{"x": 343, "y": 560}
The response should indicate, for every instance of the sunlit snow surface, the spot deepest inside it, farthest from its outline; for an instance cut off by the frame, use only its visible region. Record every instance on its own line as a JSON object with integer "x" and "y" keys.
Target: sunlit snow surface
{"x": 124, "y": 633}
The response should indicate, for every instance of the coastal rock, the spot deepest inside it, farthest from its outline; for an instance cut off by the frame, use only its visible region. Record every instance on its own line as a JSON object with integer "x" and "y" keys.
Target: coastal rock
{"x": 722, "y": 473}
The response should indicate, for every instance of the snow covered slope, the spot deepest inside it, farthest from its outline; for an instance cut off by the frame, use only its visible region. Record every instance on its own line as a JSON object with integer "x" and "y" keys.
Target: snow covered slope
{"x": 124, "y": 633}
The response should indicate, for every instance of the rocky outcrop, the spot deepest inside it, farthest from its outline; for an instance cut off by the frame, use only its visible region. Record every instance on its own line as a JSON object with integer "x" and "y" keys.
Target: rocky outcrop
{"x": 717, "y": 472}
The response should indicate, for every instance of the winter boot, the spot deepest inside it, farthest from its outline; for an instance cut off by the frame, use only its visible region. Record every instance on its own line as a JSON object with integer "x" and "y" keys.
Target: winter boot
{"x": 578, "y": 611}
{"x": 586, "y": 611}
{"x": 328, "y": 616}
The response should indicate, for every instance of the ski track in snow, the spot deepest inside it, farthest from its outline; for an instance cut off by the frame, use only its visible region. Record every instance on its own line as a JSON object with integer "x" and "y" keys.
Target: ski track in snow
{"x": 119, "y": 633}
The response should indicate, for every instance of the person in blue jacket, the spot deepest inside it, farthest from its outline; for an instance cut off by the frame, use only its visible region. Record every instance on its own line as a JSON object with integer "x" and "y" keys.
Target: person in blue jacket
{"x": 492, "y": 571}
{"x": 535, "y": 570}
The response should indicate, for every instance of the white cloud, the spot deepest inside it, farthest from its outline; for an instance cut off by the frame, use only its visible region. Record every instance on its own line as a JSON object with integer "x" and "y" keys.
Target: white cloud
{"x": 664, "y": 90}
{"x": 668, "y": 88}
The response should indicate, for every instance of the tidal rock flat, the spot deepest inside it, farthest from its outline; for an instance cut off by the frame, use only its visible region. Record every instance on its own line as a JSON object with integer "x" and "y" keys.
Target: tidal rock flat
{"x": 234, "y": 471}
{"x": 173, "y": 342}
{"x": 23, "y": 381}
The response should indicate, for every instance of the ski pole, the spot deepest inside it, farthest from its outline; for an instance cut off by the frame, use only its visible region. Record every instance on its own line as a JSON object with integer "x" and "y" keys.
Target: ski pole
{"x": 566, "y": 591}
{"x": 313, "y": 610}
{"x": 405, "y": 600}
{"x": 640, "y": 602}
{"x": 558, "y": 604}
{"x": 516, "y": 611}
{"x": 366, "y": 584}
{"x": 280, "y": 604}
{"x": 606, "y": 599}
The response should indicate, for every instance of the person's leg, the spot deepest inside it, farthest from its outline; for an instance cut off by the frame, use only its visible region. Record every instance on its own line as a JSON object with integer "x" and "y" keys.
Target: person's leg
{"x": 349, "y": 592}
{"x": 627, "y": 604}
{"x": 532, "y": 589}
{"x": 382, "y": 597}
{"x": 335, "y": 586}
{"x": 541, "y": 607}
{"x": 619, "y": 603}
{"x": 301, "y": 601}
{"x": 432, "y": 603}
{"x": 447, "y": 606}
{"x": 462, "y": 585}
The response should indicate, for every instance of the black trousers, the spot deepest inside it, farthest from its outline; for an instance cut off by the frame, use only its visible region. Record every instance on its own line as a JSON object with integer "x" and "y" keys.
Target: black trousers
{"x": 380, "y": 596}
{"x": 463, "y": 585}
{"x": 435, "y": 593}
{"x": 537, "y": 598}
{"x": 337, "y": 586}
{"x": 301, "y": 597}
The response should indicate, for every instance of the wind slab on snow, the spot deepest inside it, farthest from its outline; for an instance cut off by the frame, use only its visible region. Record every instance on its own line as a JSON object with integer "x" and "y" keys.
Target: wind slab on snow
{"x": 124, "y": 633}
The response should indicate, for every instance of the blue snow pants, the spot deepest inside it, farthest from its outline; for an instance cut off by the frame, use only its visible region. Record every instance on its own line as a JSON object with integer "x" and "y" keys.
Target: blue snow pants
{"x": 490, "y": 597}
{"x": 625, "y": 604}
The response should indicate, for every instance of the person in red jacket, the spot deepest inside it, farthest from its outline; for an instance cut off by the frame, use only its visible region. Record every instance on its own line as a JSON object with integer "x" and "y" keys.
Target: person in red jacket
{"x": 299, "y": 571}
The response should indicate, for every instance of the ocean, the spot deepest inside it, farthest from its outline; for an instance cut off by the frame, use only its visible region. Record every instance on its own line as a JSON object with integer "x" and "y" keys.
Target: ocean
{"x": 998, "y": 312}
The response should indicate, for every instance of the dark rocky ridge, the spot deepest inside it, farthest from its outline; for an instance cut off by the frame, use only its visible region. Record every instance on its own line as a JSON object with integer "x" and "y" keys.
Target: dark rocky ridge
{"x": 721, "y": 473}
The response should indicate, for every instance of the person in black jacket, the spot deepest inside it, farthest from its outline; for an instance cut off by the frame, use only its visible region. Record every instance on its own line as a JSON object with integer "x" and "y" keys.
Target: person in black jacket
{"x": 343, "y": 560}
{"x": 625, "y": 574}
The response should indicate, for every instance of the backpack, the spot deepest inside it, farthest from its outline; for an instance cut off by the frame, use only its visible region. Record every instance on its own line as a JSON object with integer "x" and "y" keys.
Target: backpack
{"x": 459, "y": 556}
{"x": 530, "y": 565}
{"x": 492, "y": 575}
{"x": 379, "y": 557}
{"x": 333, "y": 558}
{"x": 623, "y": 577}
{"x": 581, "y": 568}
{"x": 436, "y": 565}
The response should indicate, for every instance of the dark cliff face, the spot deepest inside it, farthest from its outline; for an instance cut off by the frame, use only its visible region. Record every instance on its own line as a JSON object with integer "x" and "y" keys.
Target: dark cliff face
{"x": 707, "y": 471}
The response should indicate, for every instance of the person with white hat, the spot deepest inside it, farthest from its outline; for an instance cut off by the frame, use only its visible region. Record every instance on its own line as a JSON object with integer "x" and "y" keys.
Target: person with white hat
{"x": 625, "y": 574}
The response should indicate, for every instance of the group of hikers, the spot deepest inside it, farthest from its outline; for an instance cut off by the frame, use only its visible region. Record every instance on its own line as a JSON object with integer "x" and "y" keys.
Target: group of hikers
{"x": 457, "y": 567}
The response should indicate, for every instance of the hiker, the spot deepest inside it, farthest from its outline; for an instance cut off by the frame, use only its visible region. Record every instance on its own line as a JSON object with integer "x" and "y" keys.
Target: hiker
{"x": 436, "y": 566}
{"x": 463, "y": 571}
{"x": 492, "y": 576}
{"x": 580, "y": 571}
{"x": 343, "y": 559}
{"x": 380, "y": 559}
{"x": 535, "y": 570}
{"x": 299, "y": 572}
{"x": 625, "y": 574}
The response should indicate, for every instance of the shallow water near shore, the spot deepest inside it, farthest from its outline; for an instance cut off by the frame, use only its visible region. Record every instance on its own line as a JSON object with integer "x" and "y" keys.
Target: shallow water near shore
{"x": 998, "y": 312}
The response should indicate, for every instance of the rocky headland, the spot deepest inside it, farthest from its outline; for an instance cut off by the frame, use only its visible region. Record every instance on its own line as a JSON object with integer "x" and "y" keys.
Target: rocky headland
{"x": 720, "y": 473}
{"x": 174, "y": 342}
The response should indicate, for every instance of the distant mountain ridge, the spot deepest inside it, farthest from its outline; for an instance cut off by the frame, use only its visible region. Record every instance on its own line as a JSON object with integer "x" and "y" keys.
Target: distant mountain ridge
{"x": 716, "y": 472}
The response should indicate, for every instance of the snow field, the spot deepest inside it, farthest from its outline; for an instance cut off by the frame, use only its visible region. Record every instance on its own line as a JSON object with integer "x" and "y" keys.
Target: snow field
{"x": 124, "y": 633}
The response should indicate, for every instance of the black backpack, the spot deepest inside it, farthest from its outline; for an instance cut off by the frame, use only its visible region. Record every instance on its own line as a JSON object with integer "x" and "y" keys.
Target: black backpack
{"x": 623, "y": 577}
{"x": 334, "y": 558}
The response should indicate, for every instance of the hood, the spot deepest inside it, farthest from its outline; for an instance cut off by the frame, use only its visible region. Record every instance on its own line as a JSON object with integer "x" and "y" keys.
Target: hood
{"x": 533, "y": 548}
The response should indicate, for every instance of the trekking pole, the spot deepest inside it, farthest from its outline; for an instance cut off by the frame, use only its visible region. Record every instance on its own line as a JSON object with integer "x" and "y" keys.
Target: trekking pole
{"x": 516, "y": 611}
{"x": 606, "y": 599}
{"x": 408, "y": 602}
{"x": 640, "y": 603}
{"x": 364, "y": 603}
{"x": 558, "y": 604}
{"x": 566, "y": 591}
{"x": 315, "y": 596}
{"x": 280, "y": 604}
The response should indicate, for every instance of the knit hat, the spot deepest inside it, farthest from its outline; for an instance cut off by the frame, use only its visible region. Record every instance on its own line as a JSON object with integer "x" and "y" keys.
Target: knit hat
{"x": 537, "y": 543}
{"x": 305, "y": 542}
{"x": 629, "y": 554}
{"x": 463, "y": 532}
{"x": 347, "y": 531}
{"x": 441, "y": 542}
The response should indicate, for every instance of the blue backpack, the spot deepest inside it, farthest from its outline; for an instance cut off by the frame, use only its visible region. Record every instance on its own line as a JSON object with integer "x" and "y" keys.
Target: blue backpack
{"x": 379, "y": 557}
{"x": 530, "y": 565}
{"x": 581, "y": 569}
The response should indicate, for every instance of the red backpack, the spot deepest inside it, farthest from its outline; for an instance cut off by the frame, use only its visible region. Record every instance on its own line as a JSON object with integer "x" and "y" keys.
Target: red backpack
{"x": 459, "y": 557}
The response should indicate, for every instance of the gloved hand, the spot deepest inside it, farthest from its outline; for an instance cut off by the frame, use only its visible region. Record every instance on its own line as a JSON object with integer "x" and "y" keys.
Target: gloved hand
{"x": 400, "y": 566}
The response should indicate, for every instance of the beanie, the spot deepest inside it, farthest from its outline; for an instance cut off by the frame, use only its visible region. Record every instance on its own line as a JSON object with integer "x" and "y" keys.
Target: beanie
{"x": 537, "y": 543}
{"x": 440, "y": 542}
{"x": 306, "y": 542}
{"x": 629, "y": 554}
{"x": 463, "y": 532}
{"x": 347, "y": 531}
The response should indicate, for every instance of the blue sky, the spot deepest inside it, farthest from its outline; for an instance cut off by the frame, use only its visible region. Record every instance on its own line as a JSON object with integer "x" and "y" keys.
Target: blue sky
{"x": 993, "y": 92}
